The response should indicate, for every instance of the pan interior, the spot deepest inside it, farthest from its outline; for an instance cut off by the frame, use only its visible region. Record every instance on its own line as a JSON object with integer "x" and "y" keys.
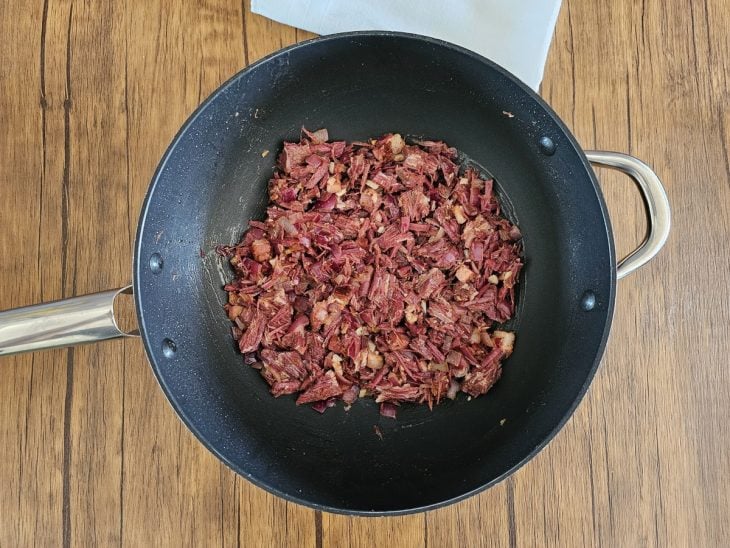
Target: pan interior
{"x": 213, "y": 180}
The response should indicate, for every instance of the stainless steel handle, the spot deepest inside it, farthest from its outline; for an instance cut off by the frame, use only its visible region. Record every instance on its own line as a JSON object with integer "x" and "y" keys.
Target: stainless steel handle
{"x": 67, "y": 322}
{"x": 657, "y": 205}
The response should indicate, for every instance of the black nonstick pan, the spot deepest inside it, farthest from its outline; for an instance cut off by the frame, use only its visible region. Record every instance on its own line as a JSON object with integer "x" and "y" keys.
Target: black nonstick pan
{"x": 212, "y": 180}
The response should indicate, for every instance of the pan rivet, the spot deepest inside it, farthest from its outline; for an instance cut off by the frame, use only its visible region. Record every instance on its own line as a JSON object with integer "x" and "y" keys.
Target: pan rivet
{"x": 168, "y": 348}
{"x": 156, "y": 263}
{"x": 588, "y": 301}
{"x": 547, "y": 146}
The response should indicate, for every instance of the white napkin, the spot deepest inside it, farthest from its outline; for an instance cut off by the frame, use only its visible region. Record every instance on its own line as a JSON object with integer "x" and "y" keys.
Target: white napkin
{"x": 514, "y": 33}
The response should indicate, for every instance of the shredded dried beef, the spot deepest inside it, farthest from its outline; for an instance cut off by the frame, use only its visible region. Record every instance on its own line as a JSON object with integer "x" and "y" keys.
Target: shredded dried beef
{"x": 379, "y": 271}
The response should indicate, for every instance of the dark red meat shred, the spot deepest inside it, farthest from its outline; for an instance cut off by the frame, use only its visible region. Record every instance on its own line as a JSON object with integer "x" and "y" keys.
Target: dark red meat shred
{"x": 380, "y": 270}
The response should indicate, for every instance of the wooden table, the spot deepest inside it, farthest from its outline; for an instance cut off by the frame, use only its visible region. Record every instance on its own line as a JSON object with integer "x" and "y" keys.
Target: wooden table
{"x": 91, "y": 454}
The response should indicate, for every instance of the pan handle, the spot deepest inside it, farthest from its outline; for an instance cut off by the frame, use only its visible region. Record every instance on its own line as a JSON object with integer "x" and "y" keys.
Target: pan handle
{"x": 78, "y": 320}
{"x": 657, "y": 206}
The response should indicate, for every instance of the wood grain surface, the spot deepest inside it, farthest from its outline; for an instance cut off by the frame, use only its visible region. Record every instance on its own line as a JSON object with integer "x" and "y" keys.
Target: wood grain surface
{"x": 91, "y": 93}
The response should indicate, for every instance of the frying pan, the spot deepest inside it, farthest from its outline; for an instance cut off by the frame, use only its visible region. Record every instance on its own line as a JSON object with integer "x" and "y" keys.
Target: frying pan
{"x": 212, "y": 180}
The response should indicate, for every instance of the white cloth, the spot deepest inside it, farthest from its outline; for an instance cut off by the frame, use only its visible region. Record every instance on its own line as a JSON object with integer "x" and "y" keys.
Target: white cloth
{"x": 513, "y": 33}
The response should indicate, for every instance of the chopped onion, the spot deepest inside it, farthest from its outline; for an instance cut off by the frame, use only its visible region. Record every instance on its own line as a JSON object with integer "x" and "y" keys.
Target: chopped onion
{"x": 388, "y": 410}
{"x": 351, "y": 394}
{"x": 320, "y": 136}
{"x": 319, "y": 406}
{"x": 453, "y": 358}
{"x": 433, "y": 366}
{"x": 234, "y": 311}
{"x": 453, "y": 389}
{"x": 459, "y": 214}
{"x": 287, "y": 225}
{"x": 464, "y": 273}
{"x": 396, "y": 143}
{"x": 436, "y": 237}
{"x": 375, "y": 360}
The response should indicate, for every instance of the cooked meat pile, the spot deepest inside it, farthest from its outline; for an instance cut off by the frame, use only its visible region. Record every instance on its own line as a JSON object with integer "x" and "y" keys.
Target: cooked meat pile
{"x": 379, "y": 271}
